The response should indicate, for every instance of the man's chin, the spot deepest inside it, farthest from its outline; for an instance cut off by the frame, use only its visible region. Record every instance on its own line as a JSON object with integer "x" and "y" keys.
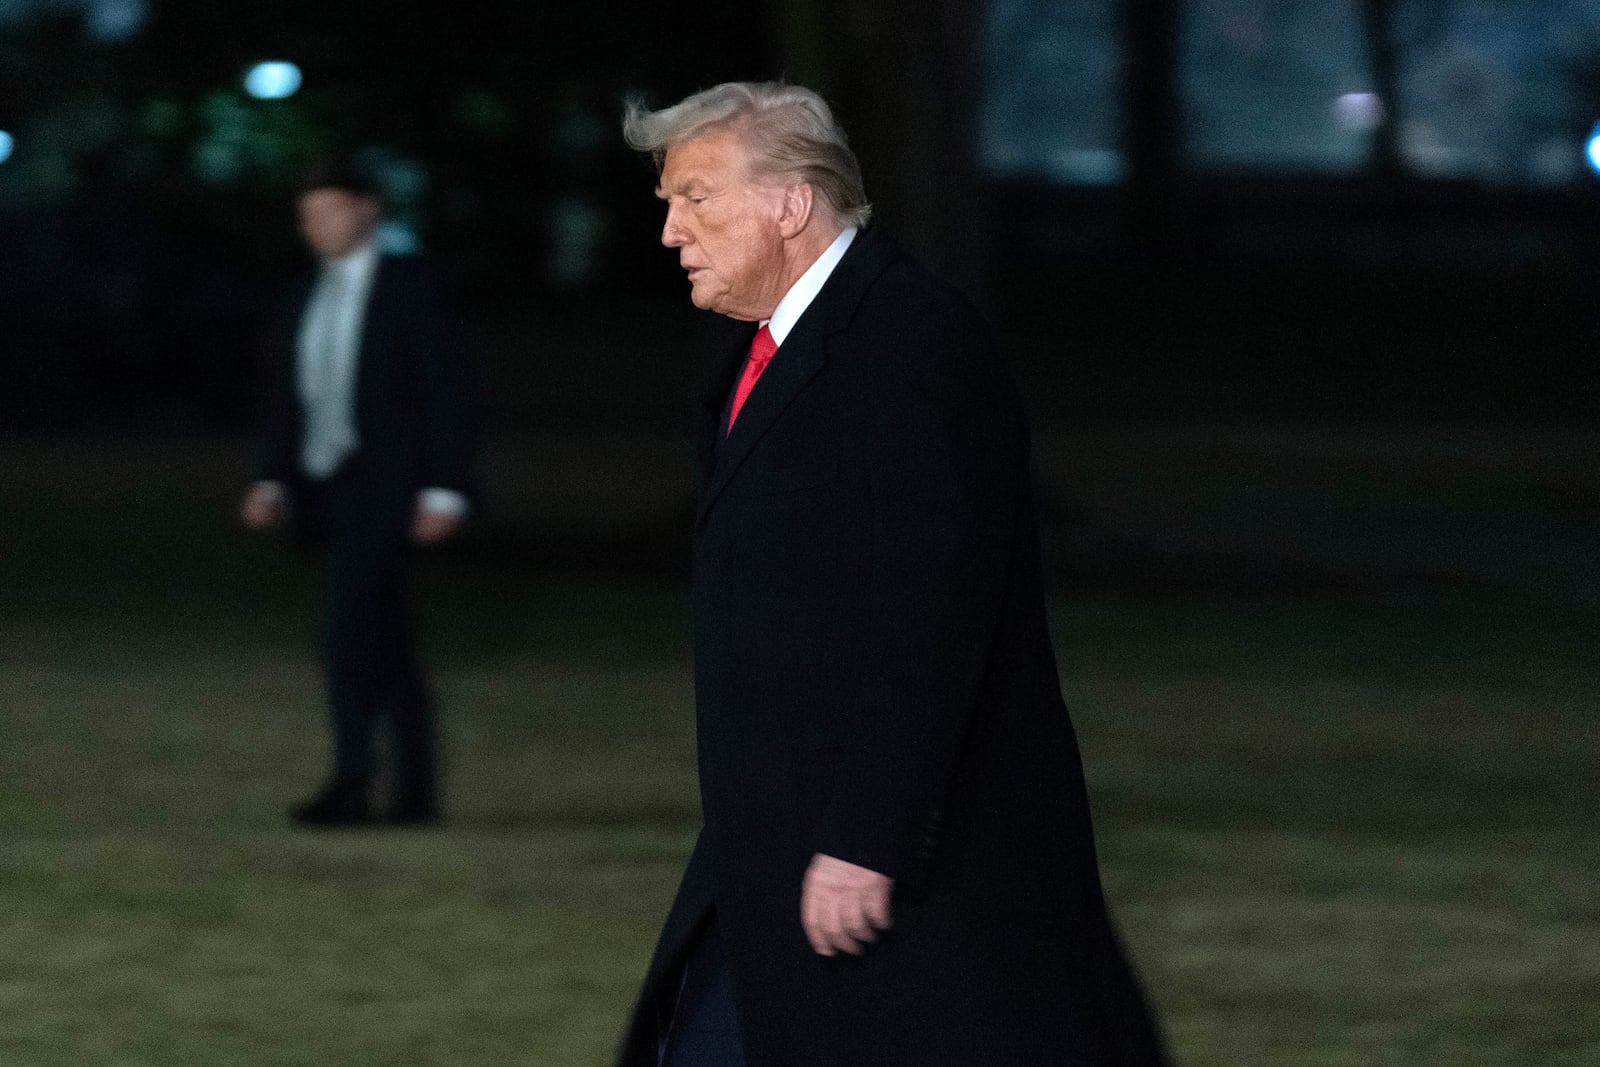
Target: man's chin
{"x": 705, "y": 298}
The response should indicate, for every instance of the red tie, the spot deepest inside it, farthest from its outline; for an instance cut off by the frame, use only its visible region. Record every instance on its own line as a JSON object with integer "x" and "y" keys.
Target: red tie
{"x": 761, "y": 350}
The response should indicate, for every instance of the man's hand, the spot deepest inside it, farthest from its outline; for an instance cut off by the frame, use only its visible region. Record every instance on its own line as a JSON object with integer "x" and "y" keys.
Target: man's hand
{"x": 429, "y": 527}
{"x": 842, "y": 906}
{"x": 262, "y": 506}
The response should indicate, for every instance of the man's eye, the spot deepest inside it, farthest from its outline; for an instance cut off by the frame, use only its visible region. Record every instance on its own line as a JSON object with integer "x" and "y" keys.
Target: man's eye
{"x": 696, "y": 199}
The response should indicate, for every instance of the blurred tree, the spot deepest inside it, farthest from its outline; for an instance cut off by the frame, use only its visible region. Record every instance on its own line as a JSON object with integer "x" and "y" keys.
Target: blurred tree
{"x": 905, "y": 77}
{"x": 1383, "y": 49}
{"x": 1151, "y": 126}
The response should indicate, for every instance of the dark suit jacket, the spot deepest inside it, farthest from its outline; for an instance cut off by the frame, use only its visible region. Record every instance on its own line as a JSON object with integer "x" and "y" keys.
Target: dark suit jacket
{"x": 410, "y": 396}
{"x": 875, "y": 681}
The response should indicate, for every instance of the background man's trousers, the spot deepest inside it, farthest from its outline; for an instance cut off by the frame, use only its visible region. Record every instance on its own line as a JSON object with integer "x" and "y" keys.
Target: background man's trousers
{"x": 370, "y": 655}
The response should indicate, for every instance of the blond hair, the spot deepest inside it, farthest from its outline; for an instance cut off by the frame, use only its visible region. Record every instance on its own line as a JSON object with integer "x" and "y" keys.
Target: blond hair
{"x": 788, "y": 130}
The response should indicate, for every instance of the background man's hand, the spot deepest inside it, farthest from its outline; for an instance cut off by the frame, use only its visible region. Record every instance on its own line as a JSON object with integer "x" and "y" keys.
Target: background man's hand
{"x": 429, "y": 527}
{"x": 262, "y": 506}
{"x": 843, "y": 906}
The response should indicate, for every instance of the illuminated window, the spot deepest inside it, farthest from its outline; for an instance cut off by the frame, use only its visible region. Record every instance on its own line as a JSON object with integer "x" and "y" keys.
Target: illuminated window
{"x": 1487, "y": 90}
{"x": 1050, "y": 105}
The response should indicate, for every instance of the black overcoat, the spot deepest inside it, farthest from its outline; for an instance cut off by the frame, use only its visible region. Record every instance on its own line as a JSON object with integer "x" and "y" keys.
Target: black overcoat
{"x": 874, "y": 681}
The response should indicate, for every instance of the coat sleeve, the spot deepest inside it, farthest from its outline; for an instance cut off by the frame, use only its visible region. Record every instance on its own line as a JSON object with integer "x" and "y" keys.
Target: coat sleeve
{"x": 946, "y": 460}
{"x": 434, "y": 340}
{"x": 277, "y": 458}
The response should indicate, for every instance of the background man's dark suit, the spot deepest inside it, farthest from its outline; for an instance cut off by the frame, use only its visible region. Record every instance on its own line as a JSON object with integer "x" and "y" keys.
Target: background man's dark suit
{"x": 411, "y": 424}
{"x": 875, "y": 682}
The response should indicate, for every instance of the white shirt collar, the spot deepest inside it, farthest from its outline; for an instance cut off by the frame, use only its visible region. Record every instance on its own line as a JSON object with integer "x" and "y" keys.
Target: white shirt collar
{"x": 807, "y": 286}
{"x": 357, "y": 262}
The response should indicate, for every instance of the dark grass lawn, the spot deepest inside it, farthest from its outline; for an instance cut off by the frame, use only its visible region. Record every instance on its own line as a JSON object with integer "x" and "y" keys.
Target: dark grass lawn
{"x": 1337, "y": 829}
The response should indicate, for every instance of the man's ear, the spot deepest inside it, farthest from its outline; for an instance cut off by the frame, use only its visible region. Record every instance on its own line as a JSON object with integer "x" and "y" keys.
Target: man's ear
{"x": 796, "y": 211}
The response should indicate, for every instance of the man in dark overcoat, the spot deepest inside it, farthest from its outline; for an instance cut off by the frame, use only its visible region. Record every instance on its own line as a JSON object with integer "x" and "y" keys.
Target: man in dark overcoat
{"x": 896, "y": 865}
{"x": 367, "y": 454}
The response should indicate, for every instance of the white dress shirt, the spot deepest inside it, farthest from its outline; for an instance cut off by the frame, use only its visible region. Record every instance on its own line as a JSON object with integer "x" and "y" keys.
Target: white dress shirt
{"x": 327, "y": 350}
{"x": 807, "y": 286}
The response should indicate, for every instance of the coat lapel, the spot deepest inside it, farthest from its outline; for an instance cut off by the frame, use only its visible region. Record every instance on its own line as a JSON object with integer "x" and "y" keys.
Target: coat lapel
{"x": 727, "y": 342}
{"x": 796, "y": 362}
{"x": 374, "y": 318}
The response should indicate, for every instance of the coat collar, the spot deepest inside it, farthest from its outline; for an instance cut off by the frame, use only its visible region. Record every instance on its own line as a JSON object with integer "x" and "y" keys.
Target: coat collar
{"x": 798, "y": 360}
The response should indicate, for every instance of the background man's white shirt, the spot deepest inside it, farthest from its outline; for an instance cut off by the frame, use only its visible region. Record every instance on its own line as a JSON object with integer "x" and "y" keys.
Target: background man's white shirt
{"x": 327, "y": 351}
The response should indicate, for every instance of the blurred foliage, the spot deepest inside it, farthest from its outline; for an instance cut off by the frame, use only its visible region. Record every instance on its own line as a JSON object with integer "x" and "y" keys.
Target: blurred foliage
{"x": 146, "y": 215}
{"x": 503, "y": 120}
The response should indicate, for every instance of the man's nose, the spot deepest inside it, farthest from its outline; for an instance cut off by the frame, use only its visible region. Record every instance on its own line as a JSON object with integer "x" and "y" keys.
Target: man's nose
{"x": 672, "y": 234}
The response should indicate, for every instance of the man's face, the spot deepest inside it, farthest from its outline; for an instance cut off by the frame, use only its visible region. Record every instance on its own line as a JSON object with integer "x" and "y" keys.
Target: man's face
{"x": 724, "y": 226}
{"x": 335, "y": 222}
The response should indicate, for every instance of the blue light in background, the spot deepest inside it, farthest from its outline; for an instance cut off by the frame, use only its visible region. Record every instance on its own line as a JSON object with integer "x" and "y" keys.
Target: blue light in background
{"x": 276, "y": 80}
{"x": 1592, "y": 149}
{"x": 7, "y": 143}
{"x": 1360, "y": 112}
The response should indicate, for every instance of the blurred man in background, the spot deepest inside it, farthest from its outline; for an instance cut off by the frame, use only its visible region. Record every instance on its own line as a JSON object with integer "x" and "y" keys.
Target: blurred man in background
{"x": 897, "y": 865}
{"x": 367, "y": 456}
